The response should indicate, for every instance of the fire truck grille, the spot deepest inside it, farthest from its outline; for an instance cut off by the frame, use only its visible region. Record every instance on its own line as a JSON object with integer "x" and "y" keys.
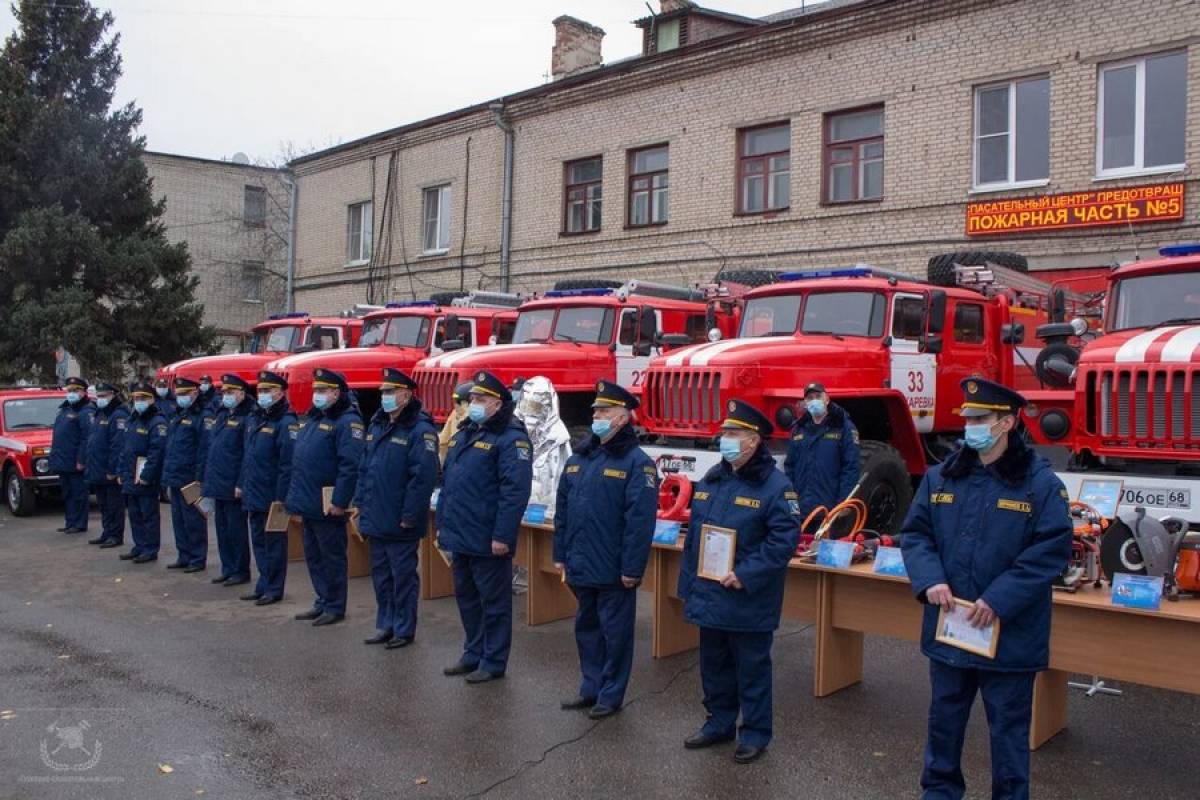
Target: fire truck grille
{"x": 1147, "y": 406}
{"x": 435, "y": 387}
{"x": 684, "y": 398}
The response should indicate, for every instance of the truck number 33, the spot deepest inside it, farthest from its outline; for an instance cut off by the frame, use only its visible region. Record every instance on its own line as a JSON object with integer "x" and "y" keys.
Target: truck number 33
{"x": 916, "y": 381}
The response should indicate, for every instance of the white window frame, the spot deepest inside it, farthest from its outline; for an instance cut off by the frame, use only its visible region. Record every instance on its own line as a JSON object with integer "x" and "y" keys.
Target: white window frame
{"x": 1139, "y": 122}
{"x": 444, "y": 199}
{"x": 1011, "y": 182}
{"x": 366, "y": 232}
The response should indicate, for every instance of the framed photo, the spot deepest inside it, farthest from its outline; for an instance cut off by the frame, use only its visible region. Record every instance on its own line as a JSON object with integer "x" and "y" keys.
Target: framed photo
{"x": 191, "y": 493}
{"x": 953, "y": 629}
{"x": 1102, "y": 494}
{"x": 277, "y": 519}
{"x": 717, "y": 546}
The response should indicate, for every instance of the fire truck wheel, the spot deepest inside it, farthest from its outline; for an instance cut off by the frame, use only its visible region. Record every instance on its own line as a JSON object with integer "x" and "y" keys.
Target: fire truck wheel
{"x": 18, "y": 494}
{"x": 941, "y": 268}
{"x": 887, "y": 489}
{"x": 445, "y": 298}
{"x": 586, "y": 283}
{"x": 747, "y": 277}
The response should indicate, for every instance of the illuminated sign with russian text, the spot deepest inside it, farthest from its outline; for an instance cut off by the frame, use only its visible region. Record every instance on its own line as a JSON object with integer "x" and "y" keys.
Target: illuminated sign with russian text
{"x": 1129, "y": 205}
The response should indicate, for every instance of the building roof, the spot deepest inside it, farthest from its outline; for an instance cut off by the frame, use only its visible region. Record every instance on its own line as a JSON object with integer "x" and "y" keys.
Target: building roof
{"x": 213, "y": 161}
{"x": 808, "y": 8}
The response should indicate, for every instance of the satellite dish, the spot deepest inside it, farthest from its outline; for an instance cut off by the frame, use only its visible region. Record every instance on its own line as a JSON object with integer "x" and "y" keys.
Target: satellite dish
{"x": 240, "y": 158}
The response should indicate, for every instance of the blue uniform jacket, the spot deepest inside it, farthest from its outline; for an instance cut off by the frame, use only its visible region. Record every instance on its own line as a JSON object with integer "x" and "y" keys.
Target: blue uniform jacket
{"x": 757, "y": 501}
{"x": 488, "y": 476}
{"x": 167, "y": 405}
{"x": 396, "y": 477}
{"x": 267, "y": 465}
{"x": 1000, "y": 532}
{"x": 327, "y": 453}
{"x": 823, "y": 460}
{"x": 183, "y": 447}
{"x": 70, "y": 437}
{"x": 106, "y": 434}
{"x": 605, "y": 511}
{"x": 145, "y": 437}
{"x": 224, "y": 449}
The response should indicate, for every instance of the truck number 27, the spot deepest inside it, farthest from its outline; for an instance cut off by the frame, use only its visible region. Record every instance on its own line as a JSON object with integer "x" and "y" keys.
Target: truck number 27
{"x": 638, "y": 375}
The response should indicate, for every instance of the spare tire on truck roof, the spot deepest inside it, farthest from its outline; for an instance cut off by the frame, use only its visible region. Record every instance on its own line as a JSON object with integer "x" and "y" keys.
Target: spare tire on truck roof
{"x": 445, "y": 298}
{"x": 586, "y": 283}
{"x": 940, "y": 271}
{"x": 748, "y": 277}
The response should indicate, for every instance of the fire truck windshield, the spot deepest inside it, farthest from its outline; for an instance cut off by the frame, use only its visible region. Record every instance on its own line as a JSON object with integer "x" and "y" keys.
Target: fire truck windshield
{"x": 771, "y": 316}
{"x": 279, "y": 339}
{"x": 33, "y": 412}
{"x": 372, "y": 332}
{"x": 844, "y": 314}
{"x": 1156, "y": 300}
{"x": 580, "y": 324}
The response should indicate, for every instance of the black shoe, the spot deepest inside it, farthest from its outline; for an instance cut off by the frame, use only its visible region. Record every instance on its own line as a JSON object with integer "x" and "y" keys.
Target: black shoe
{"x": 399, "y": 641}
{"x": 234, "y": 581}
{"x": 461, "y": 668}
{"x": 127, "y": 556}
{"x": 110, "y": 543}
{"x": 483, "y": 676}
{"x": 577, "y": 703}
{"x": 98, "y": 540}
{"x": 266, "y": 601}
{"x": 194, "y": 568}
{"x": 145, "y": 559}
{"x": 702, "y": 740}
{"x": 311, "y": 614}
{"x": 63, "y": 529}
{"x": 75, "y": 530}
{"x": 176, "y": 565}
{"x": 328, "y": 619}
{"x": 251, "y": 596}
{"x": 602, "y": 711}
{"x": 380, "y": 637}
{"x": 220, "y": 579}
{"x": 745, "y": 754}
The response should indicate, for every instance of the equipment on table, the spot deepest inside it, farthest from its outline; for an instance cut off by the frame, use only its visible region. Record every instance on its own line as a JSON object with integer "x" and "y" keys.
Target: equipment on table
{"x": 675, "y": 498}
{"x": 1141, "y": 545}
{"x": 1084, "y": 565}
{"x": 866, "y": 541}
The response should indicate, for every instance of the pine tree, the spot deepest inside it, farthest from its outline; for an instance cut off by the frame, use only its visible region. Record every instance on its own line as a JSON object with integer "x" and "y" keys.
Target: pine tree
{"x": 84, "y": 260}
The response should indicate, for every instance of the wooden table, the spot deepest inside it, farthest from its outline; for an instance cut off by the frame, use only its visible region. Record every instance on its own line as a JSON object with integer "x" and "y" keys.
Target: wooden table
{"x": 1089, "y": 634}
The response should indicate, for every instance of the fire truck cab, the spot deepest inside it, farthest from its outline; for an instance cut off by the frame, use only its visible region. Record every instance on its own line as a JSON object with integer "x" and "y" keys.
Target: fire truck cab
{"x": 26, "y": 428}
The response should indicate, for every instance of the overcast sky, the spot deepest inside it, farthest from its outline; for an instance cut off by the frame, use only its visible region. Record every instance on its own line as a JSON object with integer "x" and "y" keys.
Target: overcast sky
{"x": 214, "y": 77}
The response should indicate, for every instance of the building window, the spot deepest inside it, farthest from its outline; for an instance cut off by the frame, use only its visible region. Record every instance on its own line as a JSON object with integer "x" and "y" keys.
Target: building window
{"x": 648, "y": 186}
{"x": 359, "y": 225}
{"x": 581, "y": 195}
{"x": 764, "y": 169}
{"x": 254, "y": 206}
{"x": 1143, "y": 115}
{"x": 968, "y": 323}
{"x": 435, "y": 232}
{"x": 666, "y": 36}
{"x": 1012, "y": 133}
{"x": 854, "y": 156}
{"x": 252, "y": 280}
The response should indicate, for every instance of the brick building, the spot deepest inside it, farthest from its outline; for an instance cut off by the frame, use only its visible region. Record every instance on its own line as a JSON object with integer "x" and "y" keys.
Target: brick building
{"x": 859, "y": 131}
{"x": 234, "y": 218}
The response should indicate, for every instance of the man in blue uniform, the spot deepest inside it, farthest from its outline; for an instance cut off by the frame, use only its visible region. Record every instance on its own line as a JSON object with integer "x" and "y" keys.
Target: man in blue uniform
{"x": 67, "y": 454}
{"x": 989, "y": 526}
{"x": 208, "y": 398}
{"x": 739, "y": 612}
{"x": 486, "y": 485}
{"x": 266, "y": 475}
{"x": 140, "y": 473}
{"x": 395, "y": 480}
{"x": 223, "y": 464}
{"x": 603, "y": 527}
{"x": 182, "y": 467}
{"x": 822, "y": 457}
{"x": 106, "y": 434}
{"x": 325, "y": 463}
{"x": 165, "y": 400}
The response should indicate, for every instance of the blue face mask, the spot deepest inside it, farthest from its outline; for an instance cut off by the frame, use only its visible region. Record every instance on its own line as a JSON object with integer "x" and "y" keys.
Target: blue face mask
{"x": 477, "y": 412}
{"x": 73, "y": 397}
{"x": 140, "y": 406}
{"x": 266, "y": 400}
{"x": 229, "y": 400}
{"x": 601, "y": 427}
{"x": 184, "y": 400}
{"x": 979, "y": 436}
{"x": 102, "y": 402}
{"x": 389, "y": 402}
{"x": 204, "y": 387}
{"x": 731, "y": 448}
{"x": 162, "y": 391}
{"x": 816, "y": 406}
{"x": 320, "y": 400}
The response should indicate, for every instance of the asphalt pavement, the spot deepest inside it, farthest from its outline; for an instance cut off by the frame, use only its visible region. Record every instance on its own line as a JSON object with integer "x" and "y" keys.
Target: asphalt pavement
{"x": 125, "y": 681}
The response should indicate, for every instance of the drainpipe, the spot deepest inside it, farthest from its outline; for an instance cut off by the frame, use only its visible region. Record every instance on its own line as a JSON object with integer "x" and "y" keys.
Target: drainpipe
{"x": 497, "y": 110}
{"x": 290, "y": 182}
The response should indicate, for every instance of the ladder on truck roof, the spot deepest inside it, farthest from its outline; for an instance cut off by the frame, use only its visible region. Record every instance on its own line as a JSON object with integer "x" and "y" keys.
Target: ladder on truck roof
{"x": 994, "y": 276}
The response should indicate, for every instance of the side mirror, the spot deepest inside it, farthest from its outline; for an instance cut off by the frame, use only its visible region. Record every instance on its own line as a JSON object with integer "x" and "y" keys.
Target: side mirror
{"x": 1058, "y": 306}
{"x": 932, "y": 344}
{"x": 937, "y": 311}
{"x": 453, "y": 344}
{"x": 674, "y": 340}
{"x": 642, "y": 349}
{"x": 450, "y": 329}
{"x": 647, "y": 327}
{"x": 1012, "y": 333}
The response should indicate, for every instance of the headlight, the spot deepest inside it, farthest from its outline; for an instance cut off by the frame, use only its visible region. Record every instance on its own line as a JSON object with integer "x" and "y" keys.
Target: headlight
{"x": 1079, "y": 325}
{"x": 42, "y": 466}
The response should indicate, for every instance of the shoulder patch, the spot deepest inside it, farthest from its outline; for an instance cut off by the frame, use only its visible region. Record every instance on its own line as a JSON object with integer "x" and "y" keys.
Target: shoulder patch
{"x": 356, "y": 431}
{"x": 748, "y": 502}
{"x": 650, "y": 471}
{"x": 431, "y": 445}
{"x": 162, "y": 429}
{"x": 1063, "y": 494}
{"x": 209, "y": 422}
{"x": 944, "y": 498}
{"x": 700, "y": 496}
{"x": 1014, "y": 505}
{"x": 571, "y": 469}
{"x": 791, "y": 496}
{"x": 616, "y": 473}
{"x": 120, "y": 423}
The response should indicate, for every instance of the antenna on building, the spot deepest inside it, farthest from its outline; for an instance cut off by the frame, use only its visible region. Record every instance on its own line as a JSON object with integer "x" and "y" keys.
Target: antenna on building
{"x": 240, "y": 158}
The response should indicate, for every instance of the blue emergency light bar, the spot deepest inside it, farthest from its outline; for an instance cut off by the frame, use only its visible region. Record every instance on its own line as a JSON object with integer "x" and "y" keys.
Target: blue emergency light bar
{"x": 1177, "y": 250}
{"x": 578, "y": 293}
{"x": 845, "y": 272}
{"x": 411, "y": 304}
{"x": 293, "y": 315}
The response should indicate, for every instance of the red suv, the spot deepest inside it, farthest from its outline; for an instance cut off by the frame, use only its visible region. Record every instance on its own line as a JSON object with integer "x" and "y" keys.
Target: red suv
{"x": 26, "y": 426}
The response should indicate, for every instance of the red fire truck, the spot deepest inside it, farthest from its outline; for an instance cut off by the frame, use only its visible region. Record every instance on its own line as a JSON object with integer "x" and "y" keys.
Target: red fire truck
{"x": 272, "y": 338}
{"x": 576, "y": 337}
{"x": 26, "y": 428}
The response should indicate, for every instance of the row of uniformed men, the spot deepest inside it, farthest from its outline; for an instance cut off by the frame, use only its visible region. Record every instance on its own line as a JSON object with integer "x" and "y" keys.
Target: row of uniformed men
{"x": 603, "y": 528}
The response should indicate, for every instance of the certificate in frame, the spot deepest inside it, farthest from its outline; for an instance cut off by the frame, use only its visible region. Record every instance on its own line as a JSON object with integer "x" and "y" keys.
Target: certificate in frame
{"x": 717, "y": 546}
{"x": 954, "y": 630}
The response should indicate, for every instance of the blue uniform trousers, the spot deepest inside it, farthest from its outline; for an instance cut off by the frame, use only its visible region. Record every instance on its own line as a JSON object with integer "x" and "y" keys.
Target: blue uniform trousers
{"x": 397, "y": 585}
{"x": 325, "y": 553}
{"x": 270, "y": 555}
{"x": 75, "y": 499}
{"x": 233, "y": 539}
{"x": 1008, "y": 701}
{"x": 191, "y": 531}
{"x": 143, "y": 523}
{"x": 112, "y": 512}
{"x": 604, "y": 626}
{"x": 735, "y": 673}
{"x": 483, "y": 589}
